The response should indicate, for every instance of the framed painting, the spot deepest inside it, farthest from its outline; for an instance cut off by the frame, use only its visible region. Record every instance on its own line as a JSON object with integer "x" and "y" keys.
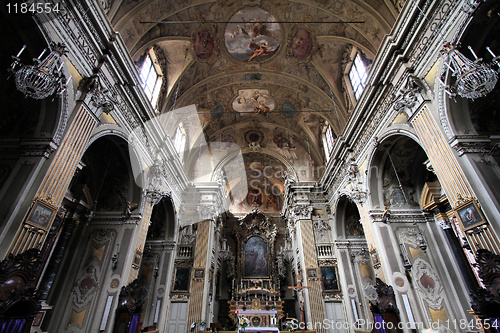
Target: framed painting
{"x": 181, "y": 279}
{"x": 375, "y": 259}
{"x": 329, "y": 278}
{"x": 199, "y": 273}
{"x": 256, "y": 258}
{"x": 312, "y": 273}
{"x": 137, "y": 259}
{"x": 470, "y": 215}
{"x": 40, "y": 215}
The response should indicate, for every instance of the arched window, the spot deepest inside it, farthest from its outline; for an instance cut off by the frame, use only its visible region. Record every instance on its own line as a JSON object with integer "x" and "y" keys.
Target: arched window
{"x": 357, "y": 76}
{"x": 329, "y": 140}
{"x": 179, "y": 141}
{"x": 151, "y": 77}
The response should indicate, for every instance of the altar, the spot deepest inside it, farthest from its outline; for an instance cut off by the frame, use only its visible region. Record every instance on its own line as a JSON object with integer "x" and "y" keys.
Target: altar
{"x": 255, "y": 288}
{"x": 259, "y": 302}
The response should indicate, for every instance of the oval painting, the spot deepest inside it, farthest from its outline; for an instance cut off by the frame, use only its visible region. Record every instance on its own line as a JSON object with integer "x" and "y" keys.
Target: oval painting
{"x": 204, "y": 44}
{"x": 253, "y": 35}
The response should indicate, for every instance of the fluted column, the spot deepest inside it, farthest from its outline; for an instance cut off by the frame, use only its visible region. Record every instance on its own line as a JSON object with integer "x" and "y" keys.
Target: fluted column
{"x": 198, "y": 285}
{"x": 56, "y": 181}
{"x": 450, "y": 174}
{"x": 141, "y": 239}
{"x": 314, "y": 291}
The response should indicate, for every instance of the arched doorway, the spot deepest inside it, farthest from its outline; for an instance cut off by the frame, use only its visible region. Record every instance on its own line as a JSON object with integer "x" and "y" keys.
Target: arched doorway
{"x": 356, "y": 274}
{"x": 156, "y": 268}
{"x": 416, "y": 254}
{"x": 91, "y": 255}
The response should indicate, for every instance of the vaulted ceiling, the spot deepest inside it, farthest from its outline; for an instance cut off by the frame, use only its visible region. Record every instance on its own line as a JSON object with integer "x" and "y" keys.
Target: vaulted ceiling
{"x": 259, "y": 84}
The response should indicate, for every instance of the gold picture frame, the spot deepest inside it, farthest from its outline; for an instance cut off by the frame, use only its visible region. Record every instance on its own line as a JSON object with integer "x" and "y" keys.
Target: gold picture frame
{"x": 375, "y": 259}
{"x": 470, "y": 216}
{"x": 41, "y": 214}
{"x": 136, "y": 263}
{"x": 312, "y": 273}
{"x": 199, "y": 273}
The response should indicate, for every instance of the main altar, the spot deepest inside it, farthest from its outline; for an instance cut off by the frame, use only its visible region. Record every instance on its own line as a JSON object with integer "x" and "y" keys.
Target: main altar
{"x": 259, "y": 302}
{"x": 256, "y": 285}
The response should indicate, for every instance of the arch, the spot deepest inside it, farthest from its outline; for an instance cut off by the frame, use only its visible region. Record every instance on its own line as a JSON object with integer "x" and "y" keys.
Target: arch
{"x": 135, "y": 158}
{"x": 163, "y": 221}
{"x": 398, "y": 151}
{"x": 346, "y": 214}
{"x": 107, "y": 154}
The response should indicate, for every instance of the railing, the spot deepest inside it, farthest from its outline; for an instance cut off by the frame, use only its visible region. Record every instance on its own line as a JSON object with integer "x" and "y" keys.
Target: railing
{"x": 325, "y": 250}
{"x": 185, "y": 251}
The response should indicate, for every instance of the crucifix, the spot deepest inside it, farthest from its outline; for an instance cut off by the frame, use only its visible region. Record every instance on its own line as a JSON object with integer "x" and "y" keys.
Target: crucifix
{"x": 299, "y": 289}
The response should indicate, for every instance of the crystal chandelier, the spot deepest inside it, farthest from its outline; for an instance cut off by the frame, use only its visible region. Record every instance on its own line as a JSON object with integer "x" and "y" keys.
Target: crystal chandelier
{"x": 155, "y": 191}
{"x": 45, "y": 77}
{"x": 474, "y": 79}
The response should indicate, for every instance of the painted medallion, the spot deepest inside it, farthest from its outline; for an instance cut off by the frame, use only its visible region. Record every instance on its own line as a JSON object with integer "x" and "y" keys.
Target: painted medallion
{"x": 253, "y": 35}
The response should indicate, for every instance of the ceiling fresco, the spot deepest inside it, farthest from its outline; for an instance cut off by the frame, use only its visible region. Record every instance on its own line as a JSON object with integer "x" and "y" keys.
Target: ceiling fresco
{"x": 257, "y": 40}
{"x": 267, "y": 75}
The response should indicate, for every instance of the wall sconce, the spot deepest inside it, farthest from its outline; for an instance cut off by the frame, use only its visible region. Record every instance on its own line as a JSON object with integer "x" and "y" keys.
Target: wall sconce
{"x": 114, "y": 258}
{"x": 386, "y": 215}
{"x": 156, "y": 271}
{"x": 407, "y": 264}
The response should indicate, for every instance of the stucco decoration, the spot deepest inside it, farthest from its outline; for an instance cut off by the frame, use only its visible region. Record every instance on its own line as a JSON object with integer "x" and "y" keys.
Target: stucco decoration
{"x": 428, "y": 284}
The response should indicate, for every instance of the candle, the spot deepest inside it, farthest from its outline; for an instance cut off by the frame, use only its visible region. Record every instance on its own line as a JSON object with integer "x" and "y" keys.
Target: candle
{"x": 472, "y": 51}
{"x": 24, "y": 46}
{"x": 490, "y": 51}
{"x": 41, "y": 54}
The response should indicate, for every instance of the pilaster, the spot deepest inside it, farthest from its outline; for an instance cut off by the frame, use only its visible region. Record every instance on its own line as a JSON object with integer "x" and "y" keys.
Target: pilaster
{"x": 450, "y": 174}
{"x": 198, "y": 290}
{"x": 33, "y": 231}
